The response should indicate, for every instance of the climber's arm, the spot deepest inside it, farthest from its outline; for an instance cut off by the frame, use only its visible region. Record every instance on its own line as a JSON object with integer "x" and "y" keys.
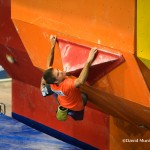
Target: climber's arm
{"x": 51, "y": 54}
{"x": 84, "y": 73}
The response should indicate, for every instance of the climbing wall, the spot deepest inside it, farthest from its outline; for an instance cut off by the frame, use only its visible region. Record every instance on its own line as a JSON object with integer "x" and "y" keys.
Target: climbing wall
{"x": 118, "y": 106}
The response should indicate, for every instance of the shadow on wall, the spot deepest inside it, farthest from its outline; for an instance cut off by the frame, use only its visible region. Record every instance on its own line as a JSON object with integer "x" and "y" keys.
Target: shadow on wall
{"x": 11, "y": 45}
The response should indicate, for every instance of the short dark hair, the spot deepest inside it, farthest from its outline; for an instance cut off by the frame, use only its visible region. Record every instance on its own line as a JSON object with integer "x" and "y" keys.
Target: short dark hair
{"x": 48, "y": 76}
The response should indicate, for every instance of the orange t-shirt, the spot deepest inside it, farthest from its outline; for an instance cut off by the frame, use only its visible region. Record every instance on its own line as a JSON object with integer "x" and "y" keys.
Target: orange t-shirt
{"x": 68, "y": 95}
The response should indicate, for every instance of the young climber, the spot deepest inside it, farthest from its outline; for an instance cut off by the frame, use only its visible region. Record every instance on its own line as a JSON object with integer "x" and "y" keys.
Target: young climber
{"x": 71, "y": 100}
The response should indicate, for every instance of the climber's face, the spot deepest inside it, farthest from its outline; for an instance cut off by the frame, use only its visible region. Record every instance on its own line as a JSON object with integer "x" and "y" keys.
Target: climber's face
{"x": 59, "y": 75}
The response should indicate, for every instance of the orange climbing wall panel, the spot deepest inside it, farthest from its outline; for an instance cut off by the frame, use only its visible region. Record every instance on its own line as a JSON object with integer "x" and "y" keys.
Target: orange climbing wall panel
{"x": 105, "y": 22}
